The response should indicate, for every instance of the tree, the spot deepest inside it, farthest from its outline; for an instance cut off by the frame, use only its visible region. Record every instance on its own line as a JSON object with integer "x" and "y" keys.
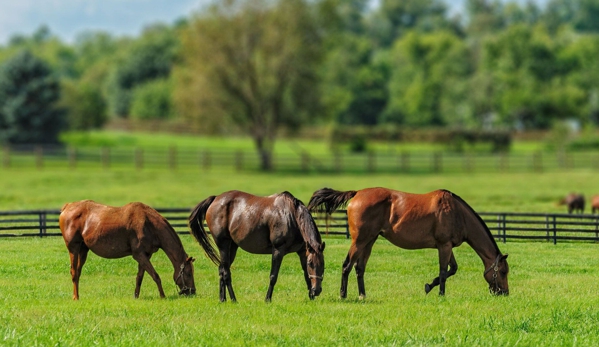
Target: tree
{"x": 151, "y": 57}
{"x": 28, "y": 96}
{"x": 84, "y": 104}
{"x": 426, "y": 69}
{"x": 253, "y": 62}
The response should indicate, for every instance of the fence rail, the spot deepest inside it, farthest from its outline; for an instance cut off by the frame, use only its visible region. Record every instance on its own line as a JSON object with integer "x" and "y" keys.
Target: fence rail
{"x": 549, "y": 227}
{"x": 180, "y": 158}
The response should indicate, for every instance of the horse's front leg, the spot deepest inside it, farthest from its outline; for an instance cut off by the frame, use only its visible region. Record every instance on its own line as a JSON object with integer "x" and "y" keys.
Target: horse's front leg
{"x": 445, "y": 252}
{"x": 453, "y": 268}
{"x": 304, "y": 261}
{"x": 277, "y": 259}
{"x": 144, "y": 262}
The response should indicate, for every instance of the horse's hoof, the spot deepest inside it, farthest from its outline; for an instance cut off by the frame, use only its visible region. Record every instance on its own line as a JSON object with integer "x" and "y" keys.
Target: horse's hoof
{"x": 427, "y": 288}
{"x": 362, "y": 297}
{"x": 311, "y": 296}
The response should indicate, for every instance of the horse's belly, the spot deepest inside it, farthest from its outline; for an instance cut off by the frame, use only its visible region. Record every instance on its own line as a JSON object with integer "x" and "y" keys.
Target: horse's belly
{"x": 409, "y": 240}
{"x": 110, "y": 246}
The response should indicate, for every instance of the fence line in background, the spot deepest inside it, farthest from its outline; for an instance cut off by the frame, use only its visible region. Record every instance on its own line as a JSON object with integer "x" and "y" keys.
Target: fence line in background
{"x": 549, "y": 227}
{"x": 176, "y": 158}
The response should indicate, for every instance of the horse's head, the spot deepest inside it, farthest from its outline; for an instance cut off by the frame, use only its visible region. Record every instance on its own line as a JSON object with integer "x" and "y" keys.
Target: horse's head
{"x": 315, "y": 269}
{"x": 184, "y": 277}
{"x": 496, "y": 276}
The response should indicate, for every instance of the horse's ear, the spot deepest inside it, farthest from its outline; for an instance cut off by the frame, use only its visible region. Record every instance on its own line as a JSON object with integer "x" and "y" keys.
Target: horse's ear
{"x": 322, "y": 246}
{"x": 191, "y": 259}
{"x": 504, "y": 257}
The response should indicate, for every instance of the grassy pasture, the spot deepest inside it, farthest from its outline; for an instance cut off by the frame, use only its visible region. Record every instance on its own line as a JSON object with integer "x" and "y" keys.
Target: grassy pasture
{"x": 553, "y": 298}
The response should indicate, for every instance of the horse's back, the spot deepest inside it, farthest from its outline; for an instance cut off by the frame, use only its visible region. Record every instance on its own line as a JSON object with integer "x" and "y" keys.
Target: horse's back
{"x": 111, "y": 232}
{"x": 408, "y": 220}
{"x": 248, "y": 219}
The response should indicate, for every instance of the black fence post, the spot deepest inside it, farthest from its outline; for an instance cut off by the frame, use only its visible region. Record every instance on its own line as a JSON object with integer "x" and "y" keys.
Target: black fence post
{"x": 554, "y": 230}
{"x": 42, "y": 223}
{"x": 504, "y": 228}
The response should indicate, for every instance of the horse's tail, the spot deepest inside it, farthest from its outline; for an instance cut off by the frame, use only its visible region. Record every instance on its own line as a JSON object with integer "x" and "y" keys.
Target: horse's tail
{"x": 328, "y": 200}
{"x": 196, "y": 224}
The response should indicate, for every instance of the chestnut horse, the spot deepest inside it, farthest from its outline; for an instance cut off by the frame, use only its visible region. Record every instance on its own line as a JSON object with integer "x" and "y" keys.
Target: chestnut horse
{"x": 595, "y": 204}
{"x": 439, "y": 219}
{"x": 278, "y": 224}
{"x": 115, "y": 232}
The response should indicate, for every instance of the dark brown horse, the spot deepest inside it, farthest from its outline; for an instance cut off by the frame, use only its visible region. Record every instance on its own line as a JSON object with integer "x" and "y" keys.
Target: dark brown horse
{"x": 278, "y": 224}
{"x": 115, "y": 232}
{"x": 575, "y": 202}
{"x": 439, "y": 219}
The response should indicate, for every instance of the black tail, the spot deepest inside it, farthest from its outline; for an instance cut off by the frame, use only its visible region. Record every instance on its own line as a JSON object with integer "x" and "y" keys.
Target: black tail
{"x": 328, "y": 200}
{"x": 196, "y": 224}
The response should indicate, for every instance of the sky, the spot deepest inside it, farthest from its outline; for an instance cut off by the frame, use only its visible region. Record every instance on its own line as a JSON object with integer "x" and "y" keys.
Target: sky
{"x": 68, "y": 18}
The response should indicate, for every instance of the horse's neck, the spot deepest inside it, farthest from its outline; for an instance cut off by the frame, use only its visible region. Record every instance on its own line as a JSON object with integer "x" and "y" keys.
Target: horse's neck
{"x": 482, "y": 242}
{"x": 173, "y": 248}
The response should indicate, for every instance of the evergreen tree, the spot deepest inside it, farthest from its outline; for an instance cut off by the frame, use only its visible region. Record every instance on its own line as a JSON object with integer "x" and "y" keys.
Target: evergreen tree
{"x": 28, "y": 96}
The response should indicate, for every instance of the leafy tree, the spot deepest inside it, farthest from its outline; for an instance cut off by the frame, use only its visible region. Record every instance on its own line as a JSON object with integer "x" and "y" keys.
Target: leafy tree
{"x": 151, "y": 57}
{"x": 355, "y": 85}
{"x": 84, "y": 104}
{"x": 28, "y": 96}
{"x": 253, "y": 62}
{"x": 529, "y": 72}
{"x": 426, "y": 67}
{"x": 152, "y": 100}
{"x": 395, "y": 18}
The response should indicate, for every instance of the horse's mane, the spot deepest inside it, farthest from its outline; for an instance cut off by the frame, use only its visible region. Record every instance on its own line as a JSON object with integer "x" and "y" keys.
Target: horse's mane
{"x": 305, "y": 222}
{"x": 469, "y": 208}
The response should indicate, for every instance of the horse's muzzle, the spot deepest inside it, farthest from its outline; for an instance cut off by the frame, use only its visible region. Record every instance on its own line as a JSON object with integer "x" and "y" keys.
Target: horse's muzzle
{"x": 188, "y": 291}
{"x": 315, "y": 292}
{"x": 498, "y": 292}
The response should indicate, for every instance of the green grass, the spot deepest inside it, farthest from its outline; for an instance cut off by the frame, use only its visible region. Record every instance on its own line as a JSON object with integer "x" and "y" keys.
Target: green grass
{"x": 553, "y": 299}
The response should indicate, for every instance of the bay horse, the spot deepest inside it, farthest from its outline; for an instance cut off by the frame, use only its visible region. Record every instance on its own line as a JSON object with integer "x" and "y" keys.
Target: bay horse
{"x": 574, "y": 202}
{"x": 110, "y": 232}
{"x": 439, "y": 219}
{"x": 278, "y": 224}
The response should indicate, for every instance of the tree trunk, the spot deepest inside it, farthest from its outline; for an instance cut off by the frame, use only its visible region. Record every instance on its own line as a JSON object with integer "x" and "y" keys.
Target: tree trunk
{"x": 265, "y": 152}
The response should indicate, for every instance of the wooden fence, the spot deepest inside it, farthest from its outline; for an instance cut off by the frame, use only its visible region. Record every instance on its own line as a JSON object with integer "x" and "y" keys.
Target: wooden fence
{"x": 504, "y": 226}
{"x": 179, "y": 158}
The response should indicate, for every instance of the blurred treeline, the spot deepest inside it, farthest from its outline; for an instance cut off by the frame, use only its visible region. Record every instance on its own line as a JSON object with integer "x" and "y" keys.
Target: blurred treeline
{"x": 412, "y": 63}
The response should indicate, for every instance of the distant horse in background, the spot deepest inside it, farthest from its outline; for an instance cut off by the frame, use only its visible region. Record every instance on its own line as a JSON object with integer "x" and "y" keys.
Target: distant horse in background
{"x": 595, "y": 204}
{"x": 439, "y": 219}
{"x": 135, "y": 229}
{"x": 278, "y": 224}
{"x": 574, "y": 202}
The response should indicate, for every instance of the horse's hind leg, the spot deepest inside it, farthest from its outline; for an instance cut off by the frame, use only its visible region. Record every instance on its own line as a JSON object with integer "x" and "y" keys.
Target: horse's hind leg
{"x": 144, "y": 262}
{"x": 277, "y": 259}
{"x": 78, "y": 255}
{"x": 139, "y": 279}
{"x": 361, "y": 268}
{"x": 228, "y": 250}
{"x": 453, "y": 268}
{"x": 348, "y": 264}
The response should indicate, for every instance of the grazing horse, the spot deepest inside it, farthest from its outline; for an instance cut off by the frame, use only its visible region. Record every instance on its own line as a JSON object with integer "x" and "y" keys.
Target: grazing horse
{"x": 575, "y": 202}
{"x": 278, "y": 224}
{"x": 135, "y": 229}
{"x": 439, "y": 219}
{"x": 595, "y": 204}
